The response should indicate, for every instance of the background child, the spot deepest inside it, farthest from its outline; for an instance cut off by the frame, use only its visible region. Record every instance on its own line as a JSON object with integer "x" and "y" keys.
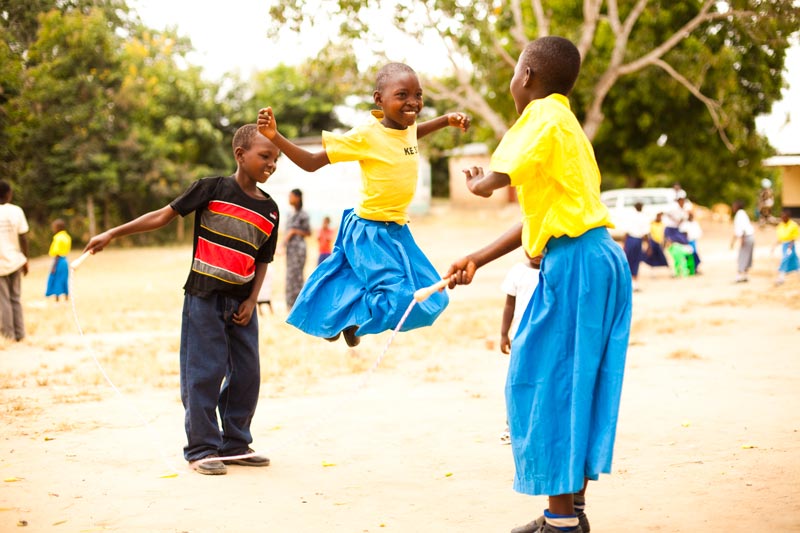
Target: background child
{"x": 375, "y": 266}
{"x": 744, "y": 233}
{"x": 654, "y": 255}
{"x": 691, "y": 228}
{"x": 568, "y": 356}
{"x": 519, "y": 284}
{"x": 235, "y": 230}
{"x": 298, "y": 227}
{"x": 58, "y": 279}
{"x": 635, "y": 237}
{"x": 788, "y": 232}
{"x": 325, "y": 239}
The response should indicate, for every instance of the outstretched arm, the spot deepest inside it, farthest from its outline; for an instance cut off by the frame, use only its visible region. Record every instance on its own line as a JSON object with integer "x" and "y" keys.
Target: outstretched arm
{"x": 147, "y": 222}
{"x": 456, "y": 120}
{"x": 308, "y": 161}
{"x": 463, "y": 270}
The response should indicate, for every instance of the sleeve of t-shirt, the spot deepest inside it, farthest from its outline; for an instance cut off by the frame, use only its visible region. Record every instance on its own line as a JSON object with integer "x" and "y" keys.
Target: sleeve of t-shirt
{"x": 196, "y": 196}
{"x": 23, "y": 223}
{"x": 509, "y": 285}
{"x": 349, "y": 146}
{"x": 522, "y": 152}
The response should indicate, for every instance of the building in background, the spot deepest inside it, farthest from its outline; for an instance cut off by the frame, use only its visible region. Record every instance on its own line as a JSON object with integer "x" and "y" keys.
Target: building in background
{"x": 789, "y": 166}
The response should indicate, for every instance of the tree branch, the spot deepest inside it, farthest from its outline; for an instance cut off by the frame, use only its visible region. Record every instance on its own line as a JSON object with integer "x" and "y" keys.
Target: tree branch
{"x": 591, "y": 16}
{"x": 542, "y": 20}
{"x": 712, "y": 105}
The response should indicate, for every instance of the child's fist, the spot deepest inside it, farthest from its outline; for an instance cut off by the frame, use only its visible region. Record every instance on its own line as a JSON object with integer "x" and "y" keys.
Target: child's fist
{"x": 458, "y": 120}
{"x": 266, "y": 123}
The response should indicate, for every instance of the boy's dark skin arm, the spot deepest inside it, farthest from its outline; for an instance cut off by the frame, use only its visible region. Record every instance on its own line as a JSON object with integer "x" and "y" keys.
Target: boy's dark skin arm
{"x": 147, "y": 222}
{"x": 456, "y": 120}
{"x": 244, "y": 314}
{"x": 508, "y": 316}
{"x": 308, "y": 161}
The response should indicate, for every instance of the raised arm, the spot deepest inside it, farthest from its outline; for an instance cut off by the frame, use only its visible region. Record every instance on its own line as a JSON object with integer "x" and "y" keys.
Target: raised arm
{"x": 147, "y": 222}
{"x": 456, "y": 120}
{"x": 308, "y": 161}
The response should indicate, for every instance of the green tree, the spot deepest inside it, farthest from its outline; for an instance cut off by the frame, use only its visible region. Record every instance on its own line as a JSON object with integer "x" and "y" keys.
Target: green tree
{"x": 721, "y": 62}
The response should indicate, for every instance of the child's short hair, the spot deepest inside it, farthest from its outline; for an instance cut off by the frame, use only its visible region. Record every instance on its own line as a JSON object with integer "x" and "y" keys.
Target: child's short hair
{"x": 389, "y": 71}
{"x": 244, "y": 136}
{"x": 555, "y": 60}
{"x": 5, "y": 188}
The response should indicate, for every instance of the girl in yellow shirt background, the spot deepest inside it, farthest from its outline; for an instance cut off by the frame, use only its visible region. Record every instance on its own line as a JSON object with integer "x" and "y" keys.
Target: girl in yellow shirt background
{"x": 58, "y": 279}
{"x": 788, "y": 232}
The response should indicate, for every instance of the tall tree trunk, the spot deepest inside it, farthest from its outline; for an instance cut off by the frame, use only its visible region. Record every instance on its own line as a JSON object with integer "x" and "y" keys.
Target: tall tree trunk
{"x": 90, "y": 215}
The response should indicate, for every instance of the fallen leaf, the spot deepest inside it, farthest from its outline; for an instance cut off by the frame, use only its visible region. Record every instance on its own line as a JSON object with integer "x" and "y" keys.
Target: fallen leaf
{"x": 327, "y": 464}
{"x": 12, "y": 479}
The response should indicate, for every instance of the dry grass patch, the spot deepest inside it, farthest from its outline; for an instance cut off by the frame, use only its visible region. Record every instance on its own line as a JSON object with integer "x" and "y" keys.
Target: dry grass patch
{"x": 684, "y": 354}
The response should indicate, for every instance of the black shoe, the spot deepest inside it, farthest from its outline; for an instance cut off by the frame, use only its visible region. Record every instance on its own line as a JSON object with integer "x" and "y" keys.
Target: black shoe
{"x": 350, "y": 336}
{"x": 540, "y": 526}
{"x": 208, "y": 466}
{"x": 334, "y": 338}
{"x": 255, "y": 460}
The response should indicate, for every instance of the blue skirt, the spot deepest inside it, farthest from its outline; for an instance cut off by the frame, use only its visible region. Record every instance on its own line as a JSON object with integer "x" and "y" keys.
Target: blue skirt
{"x": 58, "y": 279}
{"x": 368, "y": 281}
{"x": 567, "y": 362}
{"x": 655, "y": 255}
{"x": 789, "y": 261}
{"x": 634, "y": 253}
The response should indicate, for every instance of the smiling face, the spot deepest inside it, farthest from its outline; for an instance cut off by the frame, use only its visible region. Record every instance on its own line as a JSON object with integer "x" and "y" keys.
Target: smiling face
{"x": 260, "y": 160}
{"x": 400, "y": 98}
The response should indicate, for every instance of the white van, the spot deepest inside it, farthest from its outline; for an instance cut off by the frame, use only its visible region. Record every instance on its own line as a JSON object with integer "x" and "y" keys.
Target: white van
{"x": 620, "y": 204}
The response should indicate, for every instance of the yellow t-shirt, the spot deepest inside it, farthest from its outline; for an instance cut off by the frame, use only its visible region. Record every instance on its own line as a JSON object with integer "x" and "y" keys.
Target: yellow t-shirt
{"x": 551, "y": 163}
{"x": 657, "y": 231}
{"x": 61, "y": 245}
{"x": 389, "y": 162}
{"x": 788, "y": 231}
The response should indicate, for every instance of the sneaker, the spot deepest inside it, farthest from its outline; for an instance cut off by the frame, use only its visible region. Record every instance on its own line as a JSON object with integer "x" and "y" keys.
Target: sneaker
{"x": 206, "y": 465}
{"x": 541, "y": 526}
{"x": 350, "y": 336}
{"x": 255, "y": 460}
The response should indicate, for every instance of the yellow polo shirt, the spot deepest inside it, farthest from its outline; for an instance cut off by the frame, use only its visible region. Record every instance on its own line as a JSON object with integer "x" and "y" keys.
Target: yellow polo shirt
{"x": 551, "y": 163}
{"x": 61, "y": 245}
{"x": 389, "y": 162}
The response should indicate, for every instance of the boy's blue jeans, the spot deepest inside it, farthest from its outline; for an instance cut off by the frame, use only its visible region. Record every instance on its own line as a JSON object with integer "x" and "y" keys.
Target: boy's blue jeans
{"x": 213, "y": 350}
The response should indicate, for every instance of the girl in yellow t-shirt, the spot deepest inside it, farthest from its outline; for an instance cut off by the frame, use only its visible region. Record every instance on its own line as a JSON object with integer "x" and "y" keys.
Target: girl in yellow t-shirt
{"x": 58, "y": 279}
{"x": 788, "y": 232}
{"x": 369, "y": 279}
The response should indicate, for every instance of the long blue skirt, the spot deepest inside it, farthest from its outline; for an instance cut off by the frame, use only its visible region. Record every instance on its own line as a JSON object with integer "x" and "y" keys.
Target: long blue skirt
{"x": 789, "y": 261}
{"x": 368, "y": 281}
{"x": 567, "y": 362}
{"x": 58, "y": 279}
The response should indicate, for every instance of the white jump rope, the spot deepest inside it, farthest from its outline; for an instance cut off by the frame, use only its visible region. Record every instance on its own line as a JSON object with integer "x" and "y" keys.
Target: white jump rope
{"x": 419, "y": 296}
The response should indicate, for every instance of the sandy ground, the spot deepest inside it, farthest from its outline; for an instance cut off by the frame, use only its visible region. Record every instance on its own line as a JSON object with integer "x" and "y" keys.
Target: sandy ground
{"x": 708, "y": 439}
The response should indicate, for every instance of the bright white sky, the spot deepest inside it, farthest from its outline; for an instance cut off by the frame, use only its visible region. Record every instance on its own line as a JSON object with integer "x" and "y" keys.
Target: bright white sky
{"x": 232, "y": 37}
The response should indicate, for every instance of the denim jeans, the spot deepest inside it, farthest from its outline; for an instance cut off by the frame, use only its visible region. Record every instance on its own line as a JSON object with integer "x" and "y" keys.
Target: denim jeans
{"x": 219, "y": 372}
